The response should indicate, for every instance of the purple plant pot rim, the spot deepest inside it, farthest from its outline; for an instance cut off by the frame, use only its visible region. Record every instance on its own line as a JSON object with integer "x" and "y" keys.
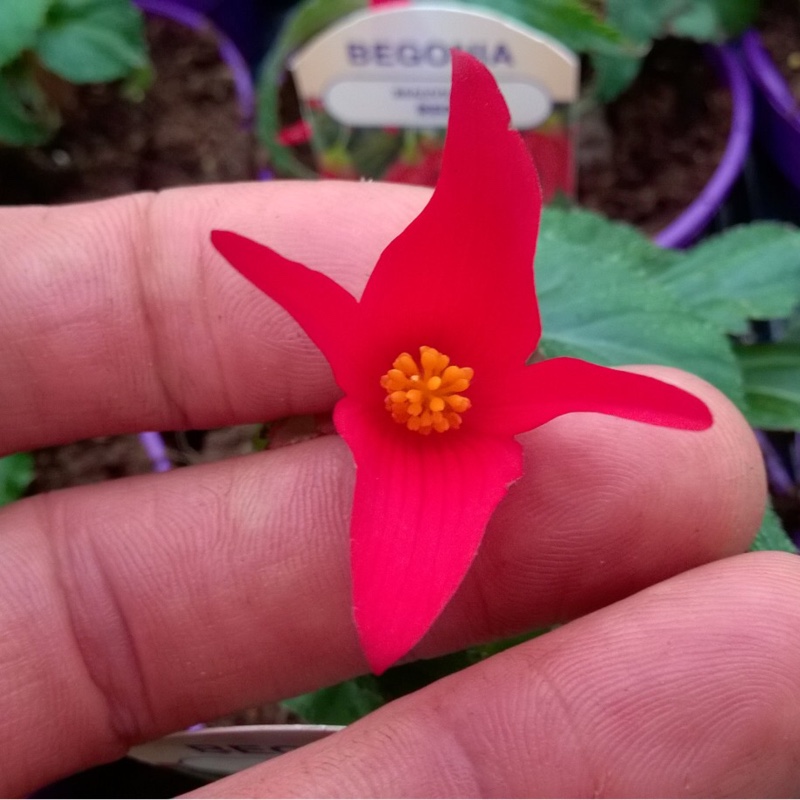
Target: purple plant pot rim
{"x": 769, "y": 79}
{"x": 696, "y": 217}
{"x": 778, "y": 117}
{"x": 229, "y": 53}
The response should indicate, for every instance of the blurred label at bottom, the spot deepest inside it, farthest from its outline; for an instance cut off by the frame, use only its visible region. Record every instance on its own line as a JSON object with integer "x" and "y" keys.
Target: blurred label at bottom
{"x": 216, "y": 752}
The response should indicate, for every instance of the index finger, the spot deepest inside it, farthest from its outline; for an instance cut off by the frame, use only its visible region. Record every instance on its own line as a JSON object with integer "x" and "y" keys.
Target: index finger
{"x": 118, "y": 316}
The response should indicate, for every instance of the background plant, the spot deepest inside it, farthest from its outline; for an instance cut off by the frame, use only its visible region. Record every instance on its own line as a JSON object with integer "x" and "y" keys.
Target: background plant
{"x": 571, "y": 21}
{"x": 614, "y": 35}
{"x": 47, "y": 45}
{"x": 16, "y": 473}
{"x": 642, "y": 22}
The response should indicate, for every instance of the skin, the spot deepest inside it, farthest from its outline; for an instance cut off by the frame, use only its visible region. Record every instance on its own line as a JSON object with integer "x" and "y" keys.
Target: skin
{"x": 138, "y": 607}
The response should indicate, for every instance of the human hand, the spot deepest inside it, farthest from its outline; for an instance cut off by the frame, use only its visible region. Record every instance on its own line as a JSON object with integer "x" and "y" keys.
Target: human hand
{"x": 135, "y": 608}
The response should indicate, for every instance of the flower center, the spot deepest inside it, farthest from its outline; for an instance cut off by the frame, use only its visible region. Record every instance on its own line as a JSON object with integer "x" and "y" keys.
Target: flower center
{"x": 425, "y": 397}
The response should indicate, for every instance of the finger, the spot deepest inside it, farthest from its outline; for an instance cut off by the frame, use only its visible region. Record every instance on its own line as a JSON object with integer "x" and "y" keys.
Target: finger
{"x": 133, "y": 608}
{"x": 688, "y": 689}
{"x": 119, "y": 316}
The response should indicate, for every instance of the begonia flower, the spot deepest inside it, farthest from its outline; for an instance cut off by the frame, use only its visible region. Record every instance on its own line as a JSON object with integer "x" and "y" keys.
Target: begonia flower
{"x": 432, "y": 361}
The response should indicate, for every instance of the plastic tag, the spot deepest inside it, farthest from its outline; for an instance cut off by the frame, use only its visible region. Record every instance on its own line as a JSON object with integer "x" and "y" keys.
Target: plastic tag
{"x": 374, "y": 89}
{"x": 215, "y": 752}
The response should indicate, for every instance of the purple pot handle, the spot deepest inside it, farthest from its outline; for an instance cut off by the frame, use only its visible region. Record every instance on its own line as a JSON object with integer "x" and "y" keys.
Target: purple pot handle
{"x": 694, "y": 219}
{"x": 153, "y": 444}
{"x": 779, "y": 478}
{"x": 202, "y": 6}
{"x": 767, "y": 76}
{"x": 778, "y": 120}
{"x": 245, "y": 91}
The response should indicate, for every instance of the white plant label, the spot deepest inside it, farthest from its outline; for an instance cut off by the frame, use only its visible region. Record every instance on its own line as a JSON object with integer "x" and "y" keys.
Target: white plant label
{"x": 391, "y": 67}
{"x": 216, "y": 752}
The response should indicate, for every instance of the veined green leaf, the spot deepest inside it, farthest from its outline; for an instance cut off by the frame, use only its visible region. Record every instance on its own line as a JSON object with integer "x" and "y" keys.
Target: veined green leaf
{"x": 792, "y": 332}
{"x": 748, "y": 272}
{"x": 772, "y": 535}
{"x": 20, "y": 21}
{"x": 598, "y": 303}
{"x": 16, "y": 472}
{"x": 25, "y": 117}
{"x": 340, "y": 704}
{"x": 772, "y": 385}
{"x": 702, "y": 20}
{"x": 572, "y": 22}
{"x": 614, "y": 74}
{"x": 714, "y": 20}
{"x": 93, "y": 41}
{"x": 643, "y": 20}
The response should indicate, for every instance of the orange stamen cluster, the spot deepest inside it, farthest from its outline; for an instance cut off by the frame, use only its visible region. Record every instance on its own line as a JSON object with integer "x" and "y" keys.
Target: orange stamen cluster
{"x": 426, "y": 397}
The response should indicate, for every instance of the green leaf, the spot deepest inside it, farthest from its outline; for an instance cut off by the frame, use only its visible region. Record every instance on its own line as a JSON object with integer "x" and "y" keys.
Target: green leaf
{"x": 701, "y": 20}
{"x": 598, "y": 302}
{"x": 340, "y": 704}
{"x": 313, "y": 17}
{"x": 25, "y": 117}
{"x": 372, "y": 151}
{"x": 614, "y": 74}
{"x": 643, "y": 20}
{"x": 748, "y": 272}
{"x": 16, "y": 472}
{"x": 93, "y": 41}
{"x": 792, "y": 332}
{"x": 20, "y": 21}
{"x": 772, "y": 385}
{"x": 772, "y": 535}
{"x": 615, "y": 56}
{"x": 572, "y": 22}
{"x": 714, "y": 20}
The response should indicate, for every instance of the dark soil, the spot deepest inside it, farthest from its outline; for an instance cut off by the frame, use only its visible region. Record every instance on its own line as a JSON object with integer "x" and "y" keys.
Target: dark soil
{"x": 108, "y": 457}
{"x": 779, "y": 26}
{"x": 90, "y": 461}
{"x": 647, "y": 155}
{"x": 186, "y": 130}
{"x": 787, "y": 507}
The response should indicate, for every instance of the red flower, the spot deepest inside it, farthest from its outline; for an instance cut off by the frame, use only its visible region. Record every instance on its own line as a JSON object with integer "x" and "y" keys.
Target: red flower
{"x": 432, "y": 430}
{"x": 553, "y": 156}
{"x": 298, "y": 132}
{"x": 424, "y": 171}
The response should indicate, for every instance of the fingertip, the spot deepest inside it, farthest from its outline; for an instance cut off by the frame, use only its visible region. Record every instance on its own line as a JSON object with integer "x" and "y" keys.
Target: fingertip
{"x": 734, "y": 466}
{"x": 608, "y": 506}
{"x": 687, "y": 689}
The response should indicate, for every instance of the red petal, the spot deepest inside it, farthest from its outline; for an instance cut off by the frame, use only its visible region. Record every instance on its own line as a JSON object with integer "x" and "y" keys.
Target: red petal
{"x": 546, "y": 390}
{"x": 420, "y": 508}
{"x": 460, "y": 277}
{"x": 325, "y": 311}
{"x": 297, "y": 133}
